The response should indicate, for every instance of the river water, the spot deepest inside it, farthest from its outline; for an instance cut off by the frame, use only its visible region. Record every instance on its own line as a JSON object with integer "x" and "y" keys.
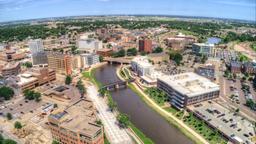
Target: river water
{"x": 143, "y": 117}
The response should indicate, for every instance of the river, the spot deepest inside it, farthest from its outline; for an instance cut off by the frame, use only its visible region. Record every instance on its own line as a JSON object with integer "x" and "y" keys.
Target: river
{"x": 142, "y": 116}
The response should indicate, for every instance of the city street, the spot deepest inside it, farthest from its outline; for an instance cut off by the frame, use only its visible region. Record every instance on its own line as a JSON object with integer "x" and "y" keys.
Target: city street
{"x": 114, "y": 133}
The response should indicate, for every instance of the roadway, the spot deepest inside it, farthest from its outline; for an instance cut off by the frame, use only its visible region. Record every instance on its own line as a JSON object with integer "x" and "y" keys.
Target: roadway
{"x": 114, "y": 133}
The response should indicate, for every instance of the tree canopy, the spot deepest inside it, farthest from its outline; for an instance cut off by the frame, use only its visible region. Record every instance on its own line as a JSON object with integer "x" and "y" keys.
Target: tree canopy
{"x": 6, "y": 92}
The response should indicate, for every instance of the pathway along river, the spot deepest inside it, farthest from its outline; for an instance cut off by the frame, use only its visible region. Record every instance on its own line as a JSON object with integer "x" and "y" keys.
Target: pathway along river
{"x": 141, "y": 115}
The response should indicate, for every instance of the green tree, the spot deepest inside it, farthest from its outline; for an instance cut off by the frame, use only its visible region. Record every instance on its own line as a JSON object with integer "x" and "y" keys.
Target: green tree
{"x": 68, "y": 80}
{"x": 28, "y": 64}
{"x": 55, "y": 142}
{"x": 111, "y": 103}
{"x": 17, "y": 125}
{"x": 101, "y": 58}
{"x": 158, "y": 50}
{"x": 102, "y": 92}
{"x": 32, "y": 95}
{"x": 254, "y": 82}
{"x": 74, "y": 50}
{"x": 81, "y": 87}
{"x": 9, "y": 116}
{"x": 123, "y": 120}
{"x": 177, "y": 57}
{"x": 6, "y": 92}
{"x": 132, "y": 52}
{"x": 120, "y": 53}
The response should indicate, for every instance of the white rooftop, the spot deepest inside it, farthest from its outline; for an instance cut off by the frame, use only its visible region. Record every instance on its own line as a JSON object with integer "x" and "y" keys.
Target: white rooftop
{"x": 142, "y": 61}
{"x": 190, "y": 84}
{"x": 25, "y": 78}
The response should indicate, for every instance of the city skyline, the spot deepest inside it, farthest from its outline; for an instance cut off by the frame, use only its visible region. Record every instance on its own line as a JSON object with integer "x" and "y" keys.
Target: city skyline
{"x": 11, "y": 10}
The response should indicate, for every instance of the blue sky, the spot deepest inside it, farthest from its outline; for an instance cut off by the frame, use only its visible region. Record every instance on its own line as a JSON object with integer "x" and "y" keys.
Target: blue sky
{"x": 28, "y": 9}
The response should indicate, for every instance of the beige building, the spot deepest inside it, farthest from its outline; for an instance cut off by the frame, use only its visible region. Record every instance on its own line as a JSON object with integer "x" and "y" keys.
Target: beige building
{"x": 76, "y": 124}
{"x": 11, "y": 69}
{"x": 11, "y": 55}
{"x": 35, "y": 77}
{"x": 61, "y": 63}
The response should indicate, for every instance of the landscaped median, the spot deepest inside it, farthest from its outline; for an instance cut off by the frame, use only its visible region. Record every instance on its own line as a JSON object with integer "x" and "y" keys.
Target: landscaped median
{"x": 91, "y": 77}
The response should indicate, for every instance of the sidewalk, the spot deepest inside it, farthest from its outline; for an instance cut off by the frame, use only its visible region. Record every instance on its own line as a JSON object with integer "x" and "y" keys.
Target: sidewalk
{"x": 114, "y": 133}
{"x": 167, "y": 114}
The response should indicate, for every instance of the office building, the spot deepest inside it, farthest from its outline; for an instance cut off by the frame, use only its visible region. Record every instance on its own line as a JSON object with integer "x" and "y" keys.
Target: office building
{"x": 89, "y": 59}
{"x": 235, "y": 66}
{"x": 145, "y": 70}
{"x": 89, "y": 45}
{"x": 39, "y": 58}
{"x": 249, "y": 67}
{"x": 11, "y": 55}
{"x": 207, "y": 71}
{"x": 187, "y": 89}
{"x": 61, "y": 63}
{"x": 145, "y": 45}
{"x": 204, "y": 49}
{"x": 35, "y": 46}
{"x": 76, "y": 124}
{"x": 34, "y": 77}
{"x": 11, "y": 69}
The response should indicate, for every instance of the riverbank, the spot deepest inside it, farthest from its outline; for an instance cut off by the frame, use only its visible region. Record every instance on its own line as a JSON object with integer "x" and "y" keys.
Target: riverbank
{"x": 190, "y": 133}
{"x": 134, "y": 132}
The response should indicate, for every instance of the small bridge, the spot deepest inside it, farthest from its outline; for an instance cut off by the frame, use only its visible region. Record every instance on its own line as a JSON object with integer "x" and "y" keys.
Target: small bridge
{"x": 116, "y": 85}
{"x": 117, "y": 60}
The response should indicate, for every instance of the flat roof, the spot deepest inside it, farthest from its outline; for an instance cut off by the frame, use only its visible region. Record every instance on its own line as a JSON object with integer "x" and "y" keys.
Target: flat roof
{"x": 79, "y": 117}
{"x": 225, "y": 120}
{"x": 142, "y": 61}
{"x": 189, "y": 84}
{"x": 25, "y": 78}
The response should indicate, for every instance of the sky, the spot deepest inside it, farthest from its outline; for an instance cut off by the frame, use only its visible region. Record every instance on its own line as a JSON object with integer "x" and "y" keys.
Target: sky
{"x": 11, "y": 10}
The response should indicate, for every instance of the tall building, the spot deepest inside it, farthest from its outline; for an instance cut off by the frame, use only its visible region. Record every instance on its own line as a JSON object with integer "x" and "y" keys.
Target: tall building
{"x": 145, "y": 45}
{"x": 89, "y": 59}
{"x": 187, "y": 89}
{"x": 76, "y": 124}
{"x": 36, "y": 46}
{"x": 204, "y": 48}
{"x": 39, "y": 57}
{"x": 61, "y": 63}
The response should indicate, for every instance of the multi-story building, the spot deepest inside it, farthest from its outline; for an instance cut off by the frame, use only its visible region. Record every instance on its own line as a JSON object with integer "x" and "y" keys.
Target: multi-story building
{"x": 207, "y": 71}
{"x": 145, "y": 70}
{"x": 235, "y": 66}
{"x": 204, "y": 49}
{"x": 35, "y": 77}
{"x": 89, "y": 45}
{"x": 105, "y": 52}
{"x": 76, "y": 124}
{"x": 36, "y": 46}
{"x": 11, "y": 69}
{"x": 249, "y": 67}
{"x": 187, "y": 89}
{"x": 89, "y": 59}
{"x": 11, "y": 55}
{"x": 39, "y": 58}
{"x": 61, "y": 63}
{"x": 145, "y": 45}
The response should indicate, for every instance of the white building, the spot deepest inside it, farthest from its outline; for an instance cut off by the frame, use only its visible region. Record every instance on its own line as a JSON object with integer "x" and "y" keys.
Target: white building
{"x": 2, "y": 46}
{"x": 89, "y": 45}
{"x": 204, "y": 48}
{"x": 89, "y": 59}
{"x": 187, "y": 89}
{"x": 35, "y": 46}
{"x": 143, "y": 68}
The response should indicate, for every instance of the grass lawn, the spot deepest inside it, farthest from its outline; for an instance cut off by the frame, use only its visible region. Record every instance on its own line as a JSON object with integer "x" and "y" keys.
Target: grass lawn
{"x": 140, "y": 134}
{"x": 200, "y": 127}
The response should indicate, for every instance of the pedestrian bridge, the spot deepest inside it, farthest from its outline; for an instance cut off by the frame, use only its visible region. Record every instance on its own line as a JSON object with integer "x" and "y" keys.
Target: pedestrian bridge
{"x": 116, "y": 85}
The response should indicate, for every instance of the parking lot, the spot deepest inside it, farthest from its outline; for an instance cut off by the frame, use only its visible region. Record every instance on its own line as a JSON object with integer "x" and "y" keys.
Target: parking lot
{"x": 229, "y": 123}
